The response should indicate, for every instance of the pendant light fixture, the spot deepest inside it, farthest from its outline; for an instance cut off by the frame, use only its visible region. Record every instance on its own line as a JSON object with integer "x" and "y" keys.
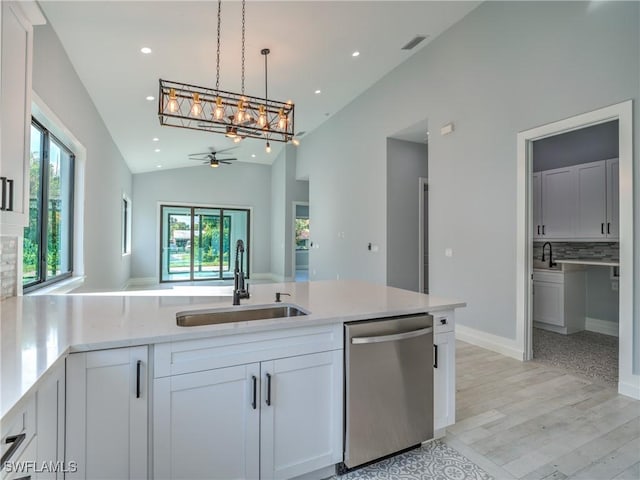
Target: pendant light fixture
{"x": 235, "y": 115}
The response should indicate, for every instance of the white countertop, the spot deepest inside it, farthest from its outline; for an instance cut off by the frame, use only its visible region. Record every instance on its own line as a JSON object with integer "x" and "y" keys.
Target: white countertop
{"x": 587, "y": 261}
{"x": 36, "y": 331}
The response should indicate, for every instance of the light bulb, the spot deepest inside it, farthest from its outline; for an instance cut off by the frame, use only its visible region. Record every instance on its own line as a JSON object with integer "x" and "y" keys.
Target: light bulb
{"x": 196, "y": 108}
{"x": 218, "y": 113}
{"x": 237, "y": 139}
{"x": 172, "y": 105}
{"x": 296, "y": 142}
{"x": 240, "y": 113}
{"x": 214, "y": 164}
{"x": 262, "y": 117}
{"x": 268, "y": 148}
{"x": 282, "y": 120}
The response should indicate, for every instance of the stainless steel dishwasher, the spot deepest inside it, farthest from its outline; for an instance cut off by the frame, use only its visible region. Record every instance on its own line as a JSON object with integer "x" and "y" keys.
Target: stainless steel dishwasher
{"x": 389, "y": 387}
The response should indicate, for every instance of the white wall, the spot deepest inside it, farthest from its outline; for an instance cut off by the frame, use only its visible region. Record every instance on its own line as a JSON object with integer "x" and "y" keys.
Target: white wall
{"x": 237, "y": 185}
{"x": 285, "y": 190}
{"x": 505, "y": 68}
{"x": 406, "y": 163}
{"x": 107, "y": 176}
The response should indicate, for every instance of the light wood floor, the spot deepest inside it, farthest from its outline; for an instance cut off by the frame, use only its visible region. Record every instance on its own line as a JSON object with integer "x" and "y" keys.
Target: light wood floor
{"x": 532, "y": 421}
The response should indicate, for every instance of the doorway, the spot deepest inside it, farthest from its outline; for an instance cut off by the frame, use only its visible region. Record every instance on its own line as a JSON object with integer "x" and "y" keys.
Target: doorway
{"x": 197, "y": 242}
{"x": 423, "y": 234}
{"x": 301, "y": 223}
{"x": 628, "y": 383}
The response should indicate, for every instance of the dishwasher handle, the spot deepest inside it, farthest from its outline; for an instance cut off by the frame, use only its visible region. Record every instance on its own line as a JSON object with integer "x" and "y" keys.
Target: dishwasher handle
{"x": 391, "y": 338}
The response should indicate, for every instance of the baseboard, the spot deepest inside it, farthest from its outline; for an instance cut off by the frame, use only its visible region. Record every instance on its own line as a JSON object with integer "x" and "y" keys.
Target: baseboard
{"x": 140, "y": 281}
{"x": 489, "y": 341}
{"x": 550, "y": 328}
{"x": 601, "y": 326}
{"x": 630, "y": 390}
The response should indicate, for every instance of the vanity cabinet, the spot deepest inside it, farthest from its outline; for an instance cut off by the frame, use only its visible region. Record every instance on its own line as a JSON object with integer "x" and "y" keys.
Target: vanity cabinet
{"x": 106, "y": 410}
{"x": 444, "y": 372}
{"x": 559, "y": 300}
{"x": 263, "y": 405}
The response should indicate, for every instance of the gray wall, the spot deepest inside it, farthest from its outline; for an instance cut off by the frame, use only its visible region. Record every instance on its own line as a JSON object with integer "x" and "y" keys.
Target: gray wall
{"x": 406, "y": 162}
{"x": 506, "y": 67}
{"x": 240, "y": 185}
{"x": 107, "y": 176}
{"x": 285, "y": 190}
{"x": 590, "y": 144}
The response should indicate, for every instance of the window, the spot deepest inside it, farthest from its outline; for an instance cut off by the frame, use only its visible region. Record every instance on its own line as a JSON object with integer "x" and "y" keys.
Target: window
{"x": 126, "y": 225}
{"x": 48, "y": 239}
{"x": 198, "y": 243}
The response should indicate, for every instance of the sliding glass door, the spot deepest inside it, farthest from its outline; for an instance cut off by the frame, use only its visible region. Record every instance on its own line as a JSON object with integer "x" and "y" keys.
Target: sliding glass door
{"x": 199, "y": 243}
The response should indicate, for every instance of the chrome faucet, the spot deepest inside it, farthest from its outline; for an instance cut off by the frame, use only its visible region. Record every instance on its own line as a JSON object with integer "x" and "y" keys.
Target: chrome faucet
{"x": 239, "y": 289}
{"x": 551, "y": 262}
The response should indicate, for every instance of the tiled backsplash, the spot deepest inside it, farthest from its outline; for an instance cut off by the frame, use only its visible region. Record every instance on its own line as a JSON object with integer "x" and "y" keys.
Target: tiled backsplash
{"x": 8, "y": 266}
{"x": 581, "y": 250}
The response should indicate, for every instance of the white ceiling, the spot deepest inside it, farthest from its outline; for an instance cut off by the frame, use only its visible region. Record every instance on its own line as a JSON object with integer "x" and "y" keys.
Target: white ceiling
{"x": 311, "y": 44}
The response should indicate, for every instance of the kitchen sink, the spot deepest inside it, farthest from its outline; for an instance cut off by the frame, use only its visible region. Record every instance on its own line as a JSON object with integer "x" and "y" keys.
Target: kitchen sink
{"x": 214, "y": 317}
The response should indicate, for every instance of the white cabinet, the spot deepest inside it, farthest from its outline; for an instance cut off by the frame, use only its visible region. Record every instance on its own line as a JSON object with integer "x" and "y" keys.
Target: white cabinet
{"x": 263, "y": 405}
{"x": 33, "y": 435}
{"x": 613, "y": 198}
{"x": 106, "y": 430}
{"x": 444, "y": 373}
{"x": 559, "y": 203}
{"x": 559, "y": 300}
{"x": 15, "y": 113}
{"x": 578, "y": 203}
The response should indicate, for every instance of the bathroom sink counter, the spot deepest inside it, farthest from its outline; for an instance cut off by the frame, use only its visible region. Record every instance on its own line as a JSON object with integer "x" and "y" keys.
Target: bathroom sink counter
{"x": 38, "y": 331}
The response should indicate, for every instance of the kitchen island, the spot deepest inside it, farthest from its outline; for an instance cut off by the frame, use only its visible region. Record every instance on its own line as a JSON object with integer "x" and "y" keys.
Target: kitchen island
{"x": 41, "y": 334}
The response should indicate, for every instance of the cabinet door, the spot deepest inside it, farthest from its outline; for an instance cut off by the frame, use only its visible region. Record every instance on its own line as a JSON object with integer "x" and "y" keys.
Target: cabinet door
{"x": 548, "y": 303}
{"x": 592, "y": 200}
{"x": 206, "y": 425}
{"x": 50, "y": 422}
{"x": 107, "y": 399}
{"x": 536, "y": 198}
{"x": 301, "y": 414}
{"x": 444, "y": 375}
{"x": 559, "y": 204}
{"x": 15, "y": 109}
{"x": 613, "y": 198}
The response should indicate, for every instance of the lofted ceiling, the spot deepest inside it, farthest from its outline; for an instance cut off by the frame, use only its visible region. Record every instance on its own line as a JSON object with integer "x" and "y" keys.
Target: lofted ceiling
{"x": 311, "y": 46}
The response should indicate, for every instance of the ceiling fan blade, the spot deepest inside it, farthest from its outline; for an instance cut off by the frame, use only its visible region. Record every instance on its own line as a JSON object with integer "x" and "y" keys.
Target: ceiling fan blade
{"x": 215, "y": 152}
{"x": 197, "y": 159}
{"x": 199, "y": 154}
{"x": 227, "y": 159}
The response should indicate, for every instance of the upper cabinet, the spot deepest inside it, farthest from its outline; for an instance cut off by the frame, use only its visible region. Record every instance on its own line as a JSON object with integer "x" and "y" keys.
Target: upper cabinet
{"x": 578, "y": 203}
{"x": 17, "y": 23}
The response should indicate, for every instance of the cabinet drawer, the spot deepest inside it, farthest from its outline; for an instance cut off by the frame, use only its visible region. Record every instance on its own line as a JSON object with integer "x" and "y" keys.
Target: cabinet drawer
{"x": 550, "y": 277}
{"x": 443, "y": 322}
{"x": 206, "y": 354}
{"x": 22, "y": 427}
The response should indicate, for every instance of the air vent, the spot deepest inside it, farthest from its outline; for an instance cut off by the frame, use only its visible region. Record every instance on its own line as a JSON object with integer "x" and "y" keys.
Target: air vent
{"x": 415, "y": 41}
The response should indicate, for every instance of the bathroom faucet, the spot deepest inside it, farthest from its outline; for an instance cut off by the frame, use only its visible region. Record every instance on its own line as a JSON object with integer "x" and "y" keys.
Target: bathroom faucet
{"x": 239, "y": 290}
{"x": 551, "y": 262}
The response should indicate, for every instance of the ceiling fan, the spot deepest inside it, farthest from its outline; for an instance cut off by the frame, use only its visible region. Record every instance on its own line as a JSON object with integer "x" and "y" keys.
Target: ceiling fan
{"x": 210, "y": 157}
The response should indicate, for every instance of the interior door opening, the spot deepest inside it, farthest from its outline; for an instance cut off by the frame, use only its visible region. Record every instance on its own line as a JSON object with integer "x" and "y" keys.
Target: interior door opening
{"x": 301, "y": 241}
{"x": 196, "y": 242}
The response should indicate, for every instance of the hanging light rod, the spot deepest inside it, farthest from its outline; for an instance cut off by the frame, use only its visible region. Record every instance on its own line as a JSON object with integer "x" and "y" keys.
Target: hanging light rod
{"x": 234, "y": 115}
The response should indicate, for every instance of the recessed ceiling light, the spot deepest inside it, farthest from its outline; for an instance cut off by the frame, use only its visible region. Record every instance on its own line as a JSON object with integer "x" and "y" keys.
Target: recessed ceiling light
{"x": 253, "y": 155}
{"x": 151, "y": 98}
{"x": 157, "y": 150}
{"x": 355, "y": 54}
{"x": 156, "y": 139}
{"x": 145, "y": 50}
{"x": 158, "y": 166}
{"x": 318, "y": 92}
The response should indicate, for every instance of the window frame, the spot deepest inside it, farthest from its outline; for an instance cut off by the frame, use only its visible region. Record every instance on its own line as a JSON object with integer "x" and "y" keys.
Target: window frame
{"x": 43, "y": 220}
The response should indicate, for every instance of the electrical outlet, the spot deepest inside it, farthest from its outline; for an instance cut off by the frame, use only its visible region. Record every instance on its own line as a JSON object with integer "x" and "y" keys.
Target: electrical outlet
{"x": 448, "y": 252}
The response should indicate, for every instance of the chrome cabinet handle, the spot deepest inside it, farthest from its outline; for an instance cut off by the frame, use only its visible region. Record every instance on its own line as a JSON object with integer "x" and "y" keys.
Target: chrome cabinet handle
{"x": 391, "y": 338}
{"x": 16, "y": 440}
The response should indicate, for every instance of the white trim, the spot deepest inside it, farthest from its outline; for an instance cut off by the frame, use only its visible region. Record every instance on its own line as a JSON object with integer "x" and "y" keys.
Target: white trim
{"x": 504, "y": 346}
{"x": 60, "y": 288}
{"x": 422, "y": 182}
{"x": 623, "y": 112}
{"x": 601, "y": 326}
